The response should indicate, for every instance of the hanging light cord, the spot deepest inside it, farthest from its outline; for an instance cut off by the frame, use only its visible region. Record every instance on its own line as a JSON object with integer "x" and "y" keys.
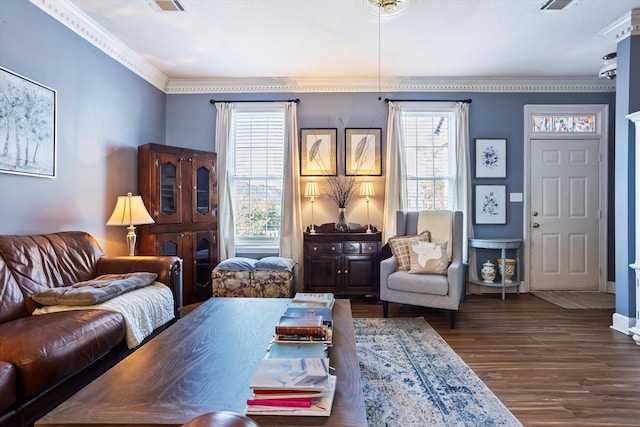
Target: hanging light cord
{"x": 379, "y": 54}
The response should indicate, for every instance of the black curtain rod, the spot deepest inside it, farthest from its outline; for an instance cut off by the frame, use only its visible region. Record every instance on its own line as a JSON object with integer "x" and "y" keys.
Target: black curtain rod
{"x": 466, "y": 101}
{"x": 297, "y": 101}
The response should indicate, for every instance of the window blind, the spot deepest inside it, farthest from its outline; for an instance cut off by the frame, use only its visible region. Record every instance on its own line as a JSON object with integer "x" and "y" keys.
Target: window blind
{"x": 258, "y": 167}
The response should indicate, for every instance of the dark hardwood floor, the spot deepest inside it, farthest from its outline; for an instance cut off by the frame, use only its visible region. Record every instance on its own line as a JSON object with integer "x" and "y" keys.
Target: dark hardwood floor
{"x": 550, "y": 366}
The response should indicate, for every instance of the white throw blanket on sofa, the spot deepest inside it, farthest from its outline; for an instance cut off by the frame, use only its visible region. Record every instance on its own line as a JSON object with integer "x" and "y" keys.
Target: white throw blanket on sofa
{"x": 144, "y": 310}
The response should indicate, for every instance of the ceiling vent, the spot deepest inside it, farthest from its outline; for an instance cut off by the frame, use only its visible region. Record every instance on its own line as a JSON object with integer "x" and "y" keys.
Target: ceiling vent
{"x": 167, "y": 5}
{"x": 556, "y": 5}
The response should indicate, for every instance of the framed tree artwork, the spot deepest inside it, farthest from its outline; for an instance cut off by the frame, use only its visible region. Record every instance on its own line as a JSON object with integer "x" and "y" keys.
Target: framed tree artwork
{"x": 318, "y": 152}
{"x": 491, "y": 204}
{"x": 491, "y": 158}
{"x": 362, "y": 151}
{"x": 27, "y": 126}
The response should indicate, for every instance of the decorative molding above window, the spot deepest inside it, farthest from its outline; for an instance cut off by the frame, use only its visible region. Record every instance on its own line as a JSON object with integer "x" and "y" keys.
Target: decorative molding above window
{"x": 414, "y": 84}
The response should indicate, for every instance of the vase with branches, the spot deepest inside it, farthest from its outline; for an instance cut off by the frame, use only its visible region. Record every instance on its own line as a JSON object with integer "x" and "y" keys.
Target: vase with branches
{"x": 340, "y": 189}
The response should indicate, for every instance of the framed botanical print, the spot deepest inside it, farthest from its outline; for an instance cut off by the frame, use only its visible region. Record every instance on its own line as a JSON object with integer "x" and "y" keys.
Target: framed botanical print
{"x": 27, "y": 126}
{"x": 318, "y": 152}
{"x": 491, "y": 158}
{"x": 490, "y": 204}
{"x": 362, "y": 151}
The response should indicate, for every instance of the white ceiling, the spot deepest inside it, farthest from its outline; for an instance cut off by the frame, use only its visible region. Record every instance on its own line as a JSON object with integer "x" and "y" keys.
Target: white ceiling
{"x": 338, "y": 39}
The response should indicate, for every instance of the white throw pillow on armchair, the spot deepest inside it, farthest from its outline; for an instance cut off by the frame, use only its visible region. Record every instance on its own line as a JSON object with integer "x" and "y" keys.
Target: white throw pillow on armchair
{"x": 428, "y": 257}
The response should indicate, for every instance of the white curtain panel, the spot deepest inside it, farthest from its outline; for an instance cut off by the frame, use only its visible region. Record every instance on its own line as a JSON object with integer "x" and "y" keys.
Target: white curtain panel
{"x": 463, "y": 174}
{"x": 395, "y": 190}
{"x": 291, "y": 218}
{"x": 224, "y": 148}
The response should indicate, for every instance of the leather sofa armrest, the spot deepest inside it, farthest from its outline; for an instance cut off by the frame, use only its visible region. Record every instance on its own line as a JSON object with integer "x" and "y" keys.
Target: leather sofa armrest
{"x": 168, "y": 269}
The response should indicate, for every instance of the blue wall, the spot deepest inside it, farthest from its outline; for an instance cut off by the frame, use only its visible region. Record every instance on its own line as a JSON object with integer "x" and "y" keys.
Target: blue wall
{"x": 104, "y": 112}
{"x": 191, "y": 122}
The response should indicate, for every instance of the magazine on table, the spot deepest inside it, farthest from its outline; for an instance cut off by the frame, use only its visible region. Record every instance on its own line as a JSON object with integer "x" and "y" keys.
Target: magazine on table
{"x": 313, "y": 299}
{"x": 291, "y": 374}
{"x": 291, "y": 350}
{"x": 320, "y": 407}
{"x": 324, "y": 312}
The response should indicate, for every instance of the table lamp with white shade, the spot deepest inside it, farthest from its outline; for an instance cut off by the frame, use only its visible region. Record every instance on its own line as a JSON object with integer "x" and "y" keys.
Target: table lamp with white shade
{"x": 366, "y": 190}
{"x": 130, "y": 211}
{"x": 312, "y": 190}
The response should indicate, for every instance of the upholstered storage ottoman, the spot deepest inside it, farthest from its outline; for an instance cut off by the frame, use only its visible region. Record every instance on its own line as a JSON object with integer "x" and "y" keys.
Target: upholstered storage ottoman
{"x": 269, "y": 277}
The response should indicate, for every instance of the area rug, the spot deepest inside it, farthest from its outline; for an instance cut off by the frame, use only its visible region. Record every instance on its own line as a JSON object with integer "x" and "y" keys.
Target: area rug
{"x": 411, "y": 377}
{"x": 578, "y": 299}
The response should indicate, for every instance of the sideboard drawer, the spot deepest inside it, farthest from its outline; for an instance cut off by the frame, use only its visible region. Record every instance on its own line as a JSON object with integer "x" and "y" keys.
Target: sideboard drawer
{"x": 333, "y": 248}
{"x": 314, "y": 248}
{"x": 351, "y": 247}
{"x": 369, "y": 248}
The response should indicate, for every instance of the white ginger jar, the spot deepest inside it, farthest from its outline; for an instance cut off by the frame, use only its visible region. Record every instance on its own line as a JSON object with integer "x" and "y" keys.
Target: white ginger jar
{"x": 488, "y": 272}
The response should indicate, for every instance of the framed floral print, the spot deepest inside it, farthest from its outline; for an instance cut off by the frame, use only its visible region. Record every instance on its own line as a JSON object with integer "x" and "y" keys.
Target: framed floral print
{"x": 490, "y": 204}
{"x": 362, "y": 151}
{"x": 318, "y": 152}
{"x": 491, "y": 158}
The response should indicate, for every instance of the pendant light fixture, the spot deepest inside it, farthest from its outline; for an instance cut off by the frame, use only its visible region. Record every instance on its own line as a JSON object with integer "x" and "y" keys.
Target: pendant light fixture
{"x": 387, "y": 5}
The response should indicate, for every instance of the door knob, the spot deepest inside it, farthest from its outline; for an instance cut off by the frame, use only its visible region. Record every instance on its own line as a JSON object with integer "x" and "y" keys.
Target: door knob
{"x": 535, "y": 225}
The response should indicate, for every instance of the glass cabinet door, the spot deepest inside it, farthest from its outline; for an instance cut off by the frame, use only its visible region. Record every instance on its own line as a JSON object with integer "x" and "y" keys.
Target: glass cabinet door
{"x": 203, "y": 242}
{"x": 169, "y": 200}
{"x": 202, "y": 178}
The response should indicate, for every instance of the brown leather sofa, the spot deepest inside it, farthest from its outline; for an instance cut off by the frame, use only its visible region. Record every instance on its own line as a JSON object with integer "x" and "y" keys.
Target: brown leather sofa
{"x": 44, "y": 359}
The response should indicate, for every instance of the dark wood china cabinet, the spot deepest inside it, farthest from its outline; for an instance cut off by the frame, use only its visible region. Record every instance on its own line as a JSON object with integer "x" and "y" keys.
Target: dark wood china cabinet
{"x": 179, "y": 188}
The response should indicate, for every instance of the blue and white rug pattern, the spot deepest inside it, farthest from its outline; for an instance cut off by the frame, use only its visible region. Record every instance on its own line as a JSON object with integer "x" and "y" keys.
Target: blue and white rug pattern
{"x": 411, "y": 377}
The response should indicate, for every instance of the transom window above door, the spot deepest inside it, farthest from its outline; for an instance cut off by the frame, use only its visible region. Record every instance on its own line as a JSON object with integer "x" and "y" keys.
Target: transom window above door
{"x": 562, "y": 124}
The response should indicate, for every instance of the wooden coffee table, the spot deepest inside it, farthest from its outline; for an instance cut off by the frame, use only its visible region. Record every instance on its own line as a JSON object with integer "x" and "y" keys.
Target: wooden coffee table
{"x": 204, "y": 363}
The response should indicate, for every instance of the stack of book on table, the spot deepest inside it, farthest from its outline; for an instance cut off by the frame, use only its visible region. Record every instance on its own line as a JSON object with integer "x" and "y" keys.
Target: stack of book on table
{"x": 292, "y": 386}
{"x": 307, "y": 319}
{"x": 294, "y": 378}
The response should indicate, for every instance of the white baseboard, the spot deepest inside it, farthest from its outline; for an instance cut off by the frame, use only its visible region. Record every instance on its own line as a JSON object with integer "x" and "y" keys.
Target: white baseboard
{"x": 622, "y": 323}
{"x": 611, "y": 287}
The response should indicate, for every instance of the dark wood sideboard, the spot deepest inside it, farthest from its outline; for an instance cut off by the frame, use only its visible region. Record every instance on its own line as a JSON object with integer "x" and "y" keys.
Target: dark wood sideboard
{"x": 342, "y": 263}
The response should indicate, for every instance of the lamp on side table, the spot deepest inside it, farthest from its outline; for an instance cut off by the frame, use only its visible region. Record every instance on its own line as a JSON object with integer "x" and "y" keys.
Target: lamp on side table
{"x": 130, "y": 211}
{"x": 366, "y": 190}
{"x": 312, "y": 190}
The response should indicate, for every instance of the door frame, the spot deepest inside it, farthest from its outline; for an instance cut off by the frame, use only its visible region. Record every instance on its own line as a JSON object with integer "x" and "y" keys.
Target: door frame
{"x": 601, "y": 113}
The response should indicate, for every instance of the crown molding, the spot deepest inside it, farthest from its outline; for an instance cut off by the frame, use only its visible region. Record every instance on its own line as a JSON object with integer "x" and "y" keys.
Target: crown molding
{"x": 74, "y": 19}
{"x": 626, "y": 26}
{"x": 408, "y": 84}
{"x": 77, "y": 21}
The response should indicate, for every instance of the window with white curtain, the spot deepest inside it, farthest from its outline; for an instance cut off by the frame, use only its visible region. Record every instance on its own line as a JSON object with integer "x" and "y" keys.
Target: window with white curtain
{"x": 429, "y": 141}
{"x": 257, "y": 174}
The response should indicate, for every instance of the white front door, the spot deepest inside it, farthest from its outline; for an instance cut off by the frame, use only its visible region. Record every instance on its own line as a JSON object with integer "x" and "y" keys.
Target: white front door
{"x": 565, "y": 206}
{"x": 565, "y": 214}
